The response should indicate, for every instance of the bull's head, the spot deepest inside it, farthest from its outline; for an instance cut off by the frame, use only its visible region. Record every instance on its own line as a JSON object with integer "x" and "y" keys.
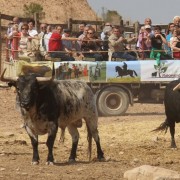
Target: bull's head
{"x": 27, "y": 87}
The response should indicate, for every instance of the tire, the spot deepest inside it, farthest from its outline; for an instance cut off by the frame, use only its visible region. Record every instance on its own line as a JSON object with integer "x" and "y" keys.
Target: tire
{"x": 112, "y": 101}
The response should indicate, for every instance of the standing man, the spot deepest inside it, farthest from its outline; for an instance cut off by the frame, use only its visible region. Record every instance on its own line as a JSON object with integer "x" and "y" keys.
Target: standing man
{"x": 41, "y": 36}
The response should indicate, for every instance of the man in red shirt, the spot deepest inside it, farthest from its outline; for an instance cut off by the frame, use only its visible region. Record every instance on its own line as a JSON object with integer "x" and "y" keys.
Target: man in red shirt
{"x": 56, "y": 48}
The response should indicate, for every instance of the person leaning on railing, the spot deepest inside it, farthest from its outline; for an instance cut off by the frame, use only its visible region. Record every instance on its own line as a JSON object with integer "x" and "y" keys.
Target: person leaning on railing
{"x": 144, "y": 40}
{"x": 56, "y": 47}
{"x": 42, "y": 45}
{"x": 157, "y": 41}
{"x": 91, "y": 45}
{"x": 169, "y": 34}
{"x": 117, "y": 45}
{"x": 176, "y": 45}
{"x": 14, "y": 38}
{"x": 27, "y": 45}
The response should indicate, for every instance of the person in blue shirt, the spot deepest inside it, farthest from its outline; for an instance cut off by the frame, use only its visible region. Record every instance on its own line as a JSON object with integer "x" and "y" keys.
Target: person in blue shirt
{"x": 169, "y": 34}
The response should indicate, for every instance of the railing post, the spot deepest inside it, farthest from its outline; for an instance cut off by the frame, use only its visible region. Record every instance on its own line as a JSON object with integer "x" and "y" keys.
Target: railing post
{"x": 36, "y": 19}
{"x": 143, "y": 57}
{"x": 7, "y": 49}
{"x": 15, "y": 48}
{"x": 121, "y": 23}
{"x": 0, "y": 46}
{"x": 136, "y": 28}
{"x": 70, "y": 24}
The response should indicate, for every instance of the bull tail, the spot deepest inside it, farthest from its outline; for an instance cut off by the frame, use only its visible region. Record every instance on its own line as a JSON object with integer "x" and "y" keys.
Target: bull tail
{"x": 89, "y": 138}
{"x": 62, "y": 137}
{"x": 163, "y": 127}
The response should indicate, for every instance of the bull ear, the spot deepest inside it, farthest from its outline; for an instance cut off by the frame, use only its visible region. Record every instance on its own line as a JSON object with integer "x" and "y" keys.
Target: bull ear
{"x": 12, "y": 83}
{"x": 176, "y": 87}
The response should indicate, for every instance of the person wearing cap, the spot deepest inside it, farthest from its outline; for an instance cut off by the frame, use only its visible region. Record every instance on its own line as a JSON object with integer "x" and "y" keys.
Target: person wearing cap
{"x": 107, "y": 28}
{"x": 157, "y": 41}
{"x": 144, "y": 40}
{"x": 147, "y": 21}
{"x": 105, "y": 36}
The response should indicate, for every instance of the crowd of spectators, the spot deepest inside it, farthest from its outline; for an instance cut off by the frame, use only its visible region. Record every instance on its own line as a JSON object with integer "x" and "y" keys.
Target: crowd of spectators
{"x": 56, "y": 42}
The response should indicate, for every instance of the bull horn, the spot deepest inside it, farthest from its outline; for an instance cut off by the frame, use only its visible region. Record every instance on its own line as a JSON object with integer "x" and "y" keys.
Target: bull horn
{"x": 176, "y": 87}
{"x": 7, "y": 79}
{"x": 44, "y": 79}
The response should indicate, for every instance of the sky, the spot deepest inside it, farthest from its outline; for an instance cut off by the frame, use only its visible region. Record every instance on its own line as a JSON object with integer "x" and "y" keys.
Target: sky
{"x": 160, "y": 11}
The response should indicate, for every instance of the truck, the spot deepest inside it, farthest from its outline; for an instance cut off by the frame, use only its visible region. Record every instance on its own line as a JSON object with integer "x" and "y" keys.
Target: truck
{"x": 116, "y": 84}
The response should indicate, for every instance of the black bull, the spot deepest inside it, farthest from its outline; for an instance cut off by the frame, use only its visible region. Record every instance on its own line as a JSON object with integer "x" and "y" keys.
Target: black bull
{"x": 172, "y": 109}
{"x": 50, "y": 104}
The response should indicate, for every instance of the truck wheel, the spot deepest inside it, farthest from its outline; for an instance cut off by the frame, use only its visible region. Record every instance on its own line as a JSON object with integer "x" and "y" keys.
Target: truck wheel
{"x": 112, "y": 101}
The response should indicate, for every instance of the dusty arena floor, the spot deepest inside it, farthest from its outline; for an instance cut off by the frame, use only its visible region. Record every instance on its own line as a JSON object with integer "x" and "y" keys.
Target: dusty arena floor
{"x": 126, "y": 141}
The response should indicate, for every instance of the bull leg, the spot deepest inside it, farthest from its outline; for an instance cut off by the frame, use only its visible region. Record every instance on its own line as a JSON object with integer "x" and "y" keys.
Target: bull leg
{"x": 100, "y": 154}
{"x": 92, "y": 131}
{"x": 34, "y": 142}
{"x": 50, "y": 144}
{"x": 172, "y": 131}
{"x": 75, "y": 138}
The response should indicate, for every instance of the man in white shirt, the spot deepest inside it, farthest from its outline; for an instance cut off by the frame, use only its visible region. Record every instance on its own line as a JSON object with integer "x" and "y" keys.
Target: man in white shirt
{"x": 32, "y": 31}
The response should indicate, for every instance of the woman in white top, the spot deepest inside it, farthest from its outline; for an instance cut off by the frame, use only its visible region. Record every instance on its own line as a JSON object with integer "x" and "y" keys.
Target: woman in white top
{"x": 27, "y": 45}
{"x": 32, "y": 31}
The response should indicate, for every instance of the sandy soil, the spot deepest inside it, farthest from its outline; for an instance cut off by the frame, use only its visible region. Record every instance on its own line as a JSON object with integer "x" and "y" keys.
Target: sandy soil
{"x": 126, "y": 141}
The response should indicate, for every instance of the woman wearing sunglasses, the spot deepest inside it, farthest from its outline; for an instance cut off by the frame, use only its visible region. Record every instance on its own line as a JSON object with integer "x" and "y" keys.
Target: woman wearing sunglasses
{"x": 90, "y": 46}
{"x": 27, "y": 45}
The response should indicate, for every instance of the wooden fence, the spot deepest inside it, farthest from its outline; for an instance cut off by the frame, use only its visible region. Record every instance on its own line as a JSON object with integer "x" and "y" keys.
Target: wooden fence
{"x": 72, "y": 24}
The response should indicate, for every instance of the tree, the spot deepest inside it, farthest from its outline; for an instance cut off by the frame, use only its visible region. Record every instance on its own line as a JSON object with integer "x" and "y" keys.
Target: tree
{"x": 112, "y": 16}
{"x": 32, "y": 8}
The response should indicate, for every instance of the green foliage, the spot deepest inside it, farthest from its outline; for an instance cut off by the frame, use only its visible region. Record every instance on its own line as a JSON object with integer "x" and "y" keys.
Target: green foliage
{"x": 32, "y": 8}
{"x": 112, "y": 16}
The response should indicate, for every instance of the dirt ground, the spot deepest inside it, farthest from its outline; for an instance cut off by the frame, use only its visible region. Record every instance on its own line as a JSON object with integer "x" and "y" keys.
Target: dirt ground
{"x": 126, "y": 141}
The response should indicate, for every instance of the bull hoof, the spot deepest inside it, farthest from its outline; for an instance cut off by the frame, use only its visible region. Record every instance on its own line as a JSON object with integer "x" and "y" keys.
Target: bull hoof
{"x": 49, "y": 163}
{"x": 173, "y": 146}
{"x": 102, "y": 159}
{"x": 35, "y": 162}
{"x": 71, "y": 161}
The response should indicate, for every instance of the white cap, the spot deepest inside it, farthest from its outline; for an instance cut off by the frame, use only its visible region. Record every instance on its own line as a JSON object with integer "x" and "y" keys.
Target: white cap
{"x": 147, "y": 26}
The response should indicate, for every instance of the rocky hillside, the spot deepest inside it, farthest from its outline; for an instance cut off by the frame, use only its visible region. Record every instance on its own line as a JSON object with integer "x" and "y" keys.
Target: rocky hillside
{"x": 56, "y": 11}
